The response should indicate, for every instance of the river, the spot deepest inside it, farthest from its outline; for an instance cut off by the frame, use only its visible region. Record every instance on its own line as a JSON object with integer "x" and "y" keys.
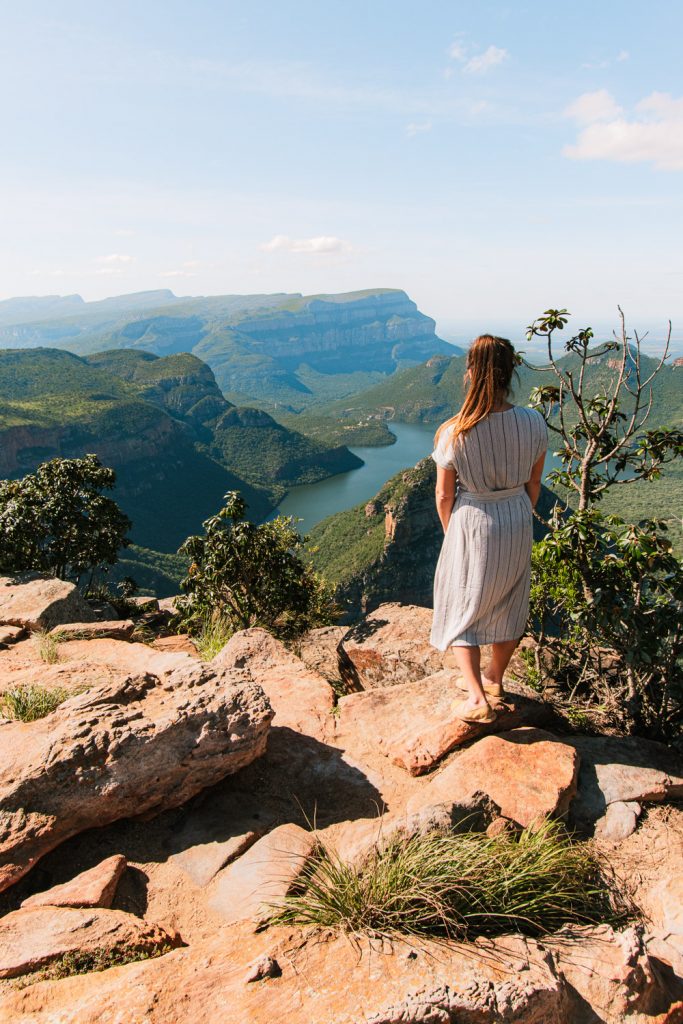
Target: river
{"x": 313, "y": 502}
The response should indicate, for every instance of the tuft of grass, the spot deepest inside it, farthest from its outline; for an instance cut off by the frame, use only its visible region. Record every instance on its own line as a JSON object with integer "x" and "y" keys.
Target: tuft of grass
{"x": 48, "y": 646}
{"x": 458, "y": 886}
{"x": 212, "y": 637}
{"x": 28, "y": 703}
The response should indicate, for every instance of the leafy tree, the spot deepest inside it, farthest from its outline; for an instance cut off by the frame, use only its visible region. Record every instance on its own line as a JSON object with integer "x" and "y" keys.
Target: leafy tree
{"x": 247, "y": 575}
{"x": 607, "y": 595}
{"x": 56, "y": 521}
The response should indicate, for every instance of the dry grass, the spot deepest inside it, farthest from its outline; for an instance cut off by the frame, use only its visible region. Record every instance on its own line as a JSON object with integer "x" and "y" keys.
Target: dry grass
{"x": 28, "y": 703}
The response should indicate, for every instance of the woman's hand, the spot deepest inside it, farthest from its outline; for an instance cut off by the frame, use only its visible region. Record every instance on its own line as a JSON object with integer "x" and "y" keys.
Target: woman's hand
{"x": 533, "y": 484}
{"x": 446, "y": 482}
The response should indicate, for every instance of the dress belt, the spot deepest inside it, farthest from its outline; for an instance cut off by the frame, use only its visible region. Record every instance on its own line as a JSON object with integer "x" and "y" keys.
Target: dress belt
{"x": 502, "y": 495}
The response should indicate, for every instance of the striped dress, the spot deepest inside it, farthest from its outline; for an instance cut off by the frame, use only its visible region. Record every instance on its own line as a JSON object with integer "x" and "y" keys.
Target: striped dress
{"x": 481, "y": 585}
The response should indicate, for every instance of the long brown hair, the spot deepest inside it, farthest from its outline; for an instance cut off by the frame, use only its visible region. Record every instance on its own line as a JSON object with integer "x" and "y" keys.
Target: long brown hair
{"x": 490, "y": 365}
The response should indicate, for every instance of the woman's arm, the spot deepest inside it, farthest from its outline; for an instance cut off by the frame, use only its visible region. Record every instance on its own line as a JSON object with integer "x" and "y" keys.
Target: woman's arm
{"x": 446, "y": 480}
{"x": 533, "y": 484}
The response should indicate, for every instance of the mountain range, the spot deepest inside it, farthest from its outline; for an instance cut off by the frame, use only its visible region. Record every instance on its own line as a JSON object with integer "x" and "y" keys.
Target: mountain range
{"x": 285, "y": 351}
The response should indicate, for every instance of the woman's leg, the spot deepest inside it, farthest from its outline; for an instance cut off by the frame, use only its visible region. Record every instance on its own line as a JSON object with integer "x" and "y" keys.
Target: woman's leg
{"x": 500, "y": 659}
{"x": 467, "y": 660}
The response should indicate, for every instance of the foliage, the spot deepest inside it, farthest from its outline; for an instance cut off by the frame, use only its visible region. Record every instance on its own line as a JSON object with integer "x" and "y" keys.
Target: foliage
{"x": 457, "y": 885}
{"x": 56, "y": 520}
{"x": 48, "y": 646}
{"x": 28, "y": 703}
{"x": 607, "y": 595}
{"x": 248, "y": 575}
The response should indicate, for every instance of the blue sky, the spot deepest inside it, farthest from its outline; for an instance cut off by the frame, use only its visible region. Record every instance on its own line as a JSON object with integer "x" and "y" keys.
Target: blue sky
{"x": 492, "y": 159}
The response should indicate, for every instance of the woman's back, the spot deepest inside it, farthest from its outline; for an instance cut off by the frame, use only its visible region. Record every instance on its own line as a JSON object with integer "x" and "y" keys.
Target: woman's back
{"x": 498, "y": 452}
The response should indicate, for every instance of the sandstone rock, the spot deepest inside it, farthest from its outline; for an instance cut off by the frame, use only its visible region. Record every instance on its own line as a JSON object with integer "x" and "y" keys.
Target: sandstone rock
{"x": 10, "y": 634}
{"x": 93, "y": 888}
{"x": 528, "y": 773}
{"x": 607, "y": 970}
{"x": 301, "y": 699}
{"x": 129, "y": 748}
{"x": 180, "y": 643}
{"x": 621, "y": 770}
{"x": 34, "y": 937}
{"x": 324, "y": 978}
{"x": 390, "y": 646}
{"x": 167, "y": 605}
{"x": 203, "y": 861}
{"x": 40, "y": 602}
{"x": 319, "y": 651}
{"x": 619, "y": 821}
{"x": 261, "y": 878}
{"x": 413, "y": 724}
{"x": 117, "y": 629}
{"x": 665, "y": 903}
{"x": 145, "y": 604}
{"x": 264, "y": 967}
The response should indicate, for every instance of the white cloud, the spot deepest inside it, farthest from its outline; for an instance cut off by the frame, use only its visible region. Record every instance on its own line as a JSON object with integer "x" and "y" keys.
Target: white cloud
{"x": 653, "y": 133}
{"x": 417, "y": 128}
{"x": 457, "y": 50}
{"x": 317, "y": 244}
{"x": 115, "y": 259}
{"x": 483, "y": 62}
{"x": 623, "y": 55}
{"x": 186, "y": 269}
{"x": 593, "y": 106}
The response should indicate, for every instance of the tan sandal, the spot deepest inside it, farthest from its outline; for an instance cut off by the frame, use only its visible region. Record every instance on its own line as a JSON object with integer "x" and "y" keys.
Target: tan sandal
{"x": 481, "y": 716}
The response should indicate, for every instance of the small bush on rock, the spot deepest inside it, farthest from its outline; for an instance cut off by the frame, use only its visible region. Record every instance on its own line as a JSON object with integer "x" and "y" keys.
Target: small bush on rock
{"x": 242, "y": 575}
{"x": 28, "y": 703}
{"x": 458, "y": 886}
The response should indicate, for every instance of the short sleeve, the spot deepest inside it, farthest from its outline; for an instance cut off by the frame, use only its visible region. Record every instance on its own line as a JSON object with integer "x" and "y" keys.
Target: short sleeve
{"x": 443, "y": 454}
{"x": 541, "y": 435}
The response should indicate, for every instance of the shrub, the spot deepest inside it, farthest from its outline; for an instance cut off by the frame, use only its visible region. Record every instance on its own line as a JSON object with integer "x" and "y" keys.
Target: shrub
{"x": 28, "y": 703}
{"x": 607, "y": 595}
{"x": 244, "y": 575}
{"x": 458, "y": 885}
{"x": 56, "y": 520}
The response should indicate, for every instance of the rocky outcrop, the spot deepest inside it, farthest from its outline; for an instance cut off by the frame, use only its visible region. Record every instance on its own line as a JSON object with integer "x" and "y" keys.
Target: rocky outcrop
{"x": 32, "y": 601}
{"x": 123, "y": 749}
{"x": 33, "y": 938}
{"x": 92, "y": 888}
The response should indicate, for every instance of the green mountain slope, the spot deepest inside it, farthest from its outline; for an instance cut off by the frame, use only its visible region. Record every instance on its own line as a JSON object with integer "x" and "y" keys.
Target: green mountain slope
{"x": 285, "y": 350}
{"x": 162, "y": 423}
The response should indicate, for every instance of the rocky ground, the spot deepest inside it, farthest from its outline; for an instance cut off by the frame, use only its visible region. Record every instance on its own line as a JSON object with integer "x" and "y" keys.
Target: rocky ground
{"x": 162, "y": 810}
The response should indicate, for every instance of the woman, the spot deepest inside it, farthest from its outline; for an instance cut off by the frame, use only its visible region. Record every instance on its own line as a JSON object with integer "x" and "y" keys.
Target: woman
{"x": 494, "y": 451}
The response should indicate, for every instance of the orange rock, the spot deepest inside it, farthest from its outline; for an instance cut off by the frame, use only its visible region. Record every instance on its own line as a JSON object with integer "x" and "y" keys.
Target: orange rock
{"x": 180, "y": 643}
{"x": 93, "y": 888}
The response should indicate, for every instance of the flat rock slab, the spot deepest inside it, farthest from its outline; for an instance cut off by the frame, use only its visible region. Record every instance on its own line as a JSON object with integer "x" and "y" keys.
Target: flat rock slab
{"x": 262, "y": 877}
{"x": 40, "y": 602}
{"x": 203, "y": 861}
{"x": 324, "y": 978}
{"x": 116, "y": 629}
{"x": 126, "y": 748}
{"x": 390, "y": 646}
{"x": 180, "y": 643}
{"x": 35, "y": 937}
{"x": 413, "y": 725}
{"x": 10, "y": 634}
{"x": 93, "y": 888}
{"x": 622, "y": 770}
{"x": 527, "y": 773}
{"x": 301, "y": 698}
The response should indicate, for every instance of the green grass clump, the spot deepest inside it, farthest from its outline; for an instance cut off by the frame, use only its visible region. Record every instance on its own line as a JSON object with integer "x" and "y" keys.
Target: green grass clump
{"x": 48, "y": 646}
{"x": 88, "y": 962}
{"x": 28, "y": 703}
{"x": 212, "y": 637}
{"x": 458, "y": 886}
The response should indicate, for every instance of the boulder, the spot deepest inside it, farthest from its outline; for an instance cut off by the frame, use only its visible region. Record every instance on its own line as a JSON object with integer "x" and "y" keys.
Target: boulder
{"x": 412, "y": 724}
{"x": 254, "y": 885}
{"x": 528, "y": 773}
{"x": 300, "y": 697}
{"x": 665, "y": 905}
{"x": 93, "y": 888}
{"x": 40, "y": 602}
{"x": 319, "y": 650}
{"x": 618, "y": 774}
{"x": 202, "y": 861}
{"x": 390, "y": 646}
{"x": 37, "y": 936}
{"x": 116, "y": 629}
{"x": 130, "y": 747}
{"x": 609, "y": 971}
{"x": 179, "y": 642}
{"x": 10, "y": 634}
